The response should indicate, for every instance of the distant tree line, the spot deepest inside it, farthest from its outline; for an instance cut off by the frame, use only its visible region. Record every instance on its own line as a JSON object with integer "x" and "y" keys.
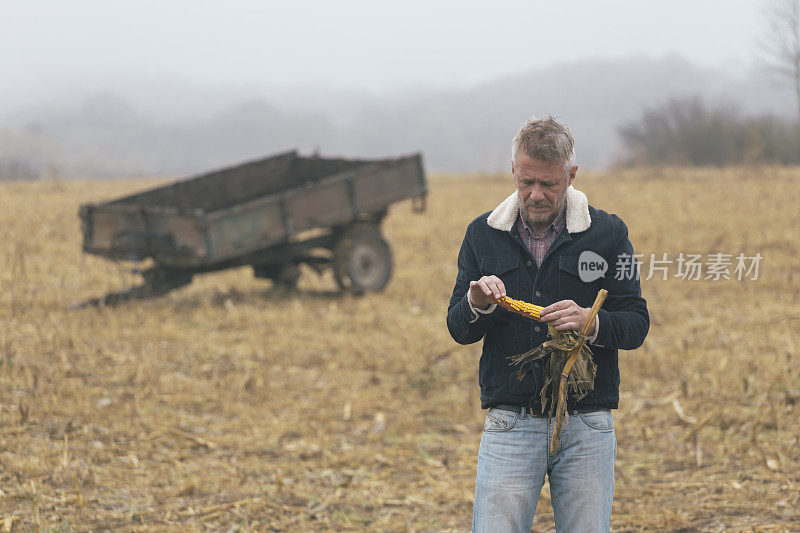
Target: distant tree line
{"x": 25, "y": 155}
{"x": 18, "y": 170}
{"x": 689, "y": 132}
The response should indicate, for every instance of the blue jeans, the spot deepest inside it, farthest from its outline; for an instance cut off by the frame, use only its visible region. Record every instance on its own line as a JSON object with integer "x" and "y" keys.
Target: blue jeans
{"x": 514, "y": 457}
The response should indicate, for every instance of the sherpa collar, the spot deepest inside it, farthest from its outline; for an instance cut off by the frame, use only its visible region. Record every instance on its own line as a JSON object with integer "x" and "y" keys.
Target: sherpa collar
{"x": 578, "y": 219}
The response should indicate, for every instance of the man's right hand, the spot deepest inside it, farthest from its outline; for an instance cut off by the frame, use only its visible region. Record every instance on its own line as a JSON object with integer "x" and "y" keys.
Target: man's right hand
{"x": 486, "y": 291}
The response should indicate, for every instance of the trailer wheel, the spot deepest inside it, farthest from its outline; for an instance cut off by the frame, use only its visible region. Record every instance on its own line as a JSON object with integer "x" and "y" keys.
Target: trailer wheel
{"x": 362, "y": 260}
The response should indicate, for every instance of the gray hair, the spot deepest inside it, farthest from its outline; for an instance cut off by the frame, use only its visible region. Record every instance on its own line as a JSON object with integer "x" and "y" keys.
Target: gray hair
{"x": 545, "y": 139}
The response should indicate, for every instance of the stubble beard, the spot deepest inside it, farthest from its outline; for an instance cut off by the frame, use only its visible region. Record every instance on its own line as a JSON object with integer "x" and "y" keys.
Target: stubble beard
{"x": 541, "y": 224}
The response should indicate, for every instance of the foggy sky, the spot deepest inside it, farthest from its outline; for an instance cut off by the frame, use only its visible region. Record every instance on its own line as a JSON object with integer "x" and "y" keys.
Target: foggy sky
{"x": 52, "y": 51}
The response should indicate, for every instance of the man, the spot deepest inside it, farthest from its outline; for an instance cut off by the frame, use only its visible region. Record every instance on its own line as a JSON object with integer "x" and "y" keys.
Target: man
{"x": 530, "y": 248}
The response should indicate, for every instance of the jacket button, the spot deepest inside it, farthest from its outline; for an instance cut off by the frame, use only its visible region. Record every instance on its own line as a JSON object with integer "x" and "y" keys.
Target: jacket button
{"x": 529, "y": 263}
{"x": 538, "y": 294}
{"x": 537, "y": 329}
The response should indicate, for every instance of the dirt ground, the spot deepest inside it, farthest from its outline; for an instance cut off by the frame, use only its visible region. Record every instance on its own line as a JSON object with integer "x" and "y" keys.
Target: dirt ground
{"x": 229, "y": 405}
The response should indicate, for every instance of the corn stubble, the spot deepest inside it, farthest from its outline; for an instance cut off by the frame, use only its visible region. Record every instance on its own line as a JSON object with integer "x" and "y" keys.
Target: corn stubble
{"x": 227, "y": 404}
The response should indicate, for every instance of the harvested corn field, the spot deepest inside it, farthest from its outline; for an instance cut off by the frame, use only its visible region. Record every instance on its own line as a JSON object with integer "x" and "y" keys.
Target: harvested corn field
{"x": 229, "y": 405}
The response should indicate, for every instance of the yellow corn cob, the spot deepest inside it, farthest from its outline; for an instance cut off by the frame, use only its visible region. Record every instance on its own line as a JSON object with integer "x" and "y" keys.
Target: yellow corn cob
{"x": 518, "y": 306}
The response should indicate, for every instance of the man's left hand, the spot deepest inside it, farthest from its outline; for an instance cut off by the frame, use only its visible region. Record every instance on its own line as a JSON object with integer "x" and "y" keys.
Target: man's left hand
{"x": 566, "y": 314}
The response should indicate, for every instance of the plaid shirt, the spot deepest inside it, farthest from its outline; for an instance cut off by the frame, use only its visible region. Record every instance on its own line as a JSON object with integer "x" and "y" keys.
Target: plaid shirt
{"x": 538, "y": 245}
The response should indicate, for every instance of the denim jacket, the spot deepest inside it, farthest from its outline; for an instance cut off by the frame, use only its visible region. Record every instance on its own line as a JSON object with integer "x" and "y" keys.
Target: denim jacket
{"x": 492, "y": 245}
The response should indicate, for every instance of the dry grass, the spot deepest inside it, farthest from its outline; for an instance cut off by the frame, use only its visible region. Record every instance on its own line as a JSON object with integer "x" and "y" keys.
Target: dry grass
{"x": 229, "y": 406}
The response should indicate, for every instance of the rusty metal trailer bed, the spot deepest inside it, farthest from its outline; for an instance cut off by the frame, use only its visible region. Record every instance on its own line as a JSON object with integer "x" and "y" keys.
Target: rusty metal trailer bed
{"x": 273, "y": 214}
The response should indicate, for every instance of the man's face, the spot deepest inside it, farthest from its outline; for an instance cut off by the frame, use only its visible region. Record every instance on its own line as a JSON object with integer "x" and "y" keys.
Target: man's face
{"x": 542, "y": 188}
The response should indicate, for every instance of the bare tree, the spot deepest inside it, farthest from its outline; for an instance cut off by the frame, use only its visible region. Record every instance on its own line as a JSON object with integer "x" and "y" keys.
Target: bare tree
{"x": 781, "y": 42}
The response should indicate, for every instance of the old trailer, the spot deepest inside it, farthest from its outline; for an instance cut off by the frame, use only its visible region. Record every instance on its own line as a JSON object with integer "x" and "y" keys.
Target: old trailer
{"x": 274, "y": 214}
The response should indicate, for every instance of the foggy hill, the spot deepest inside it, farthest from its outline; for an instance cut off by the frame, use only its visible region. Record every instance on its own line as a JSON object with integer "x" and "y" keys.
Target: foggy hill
{"x": 111, "y": 134}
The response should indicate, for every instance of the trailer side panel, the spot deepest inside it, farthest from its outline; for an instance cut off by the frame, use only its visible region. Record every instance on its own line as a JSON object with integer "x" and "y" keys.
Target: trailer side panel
{"x": 135, "y": 233}
{"x": 246, "y": 228}
{"x": 381, "y": 186}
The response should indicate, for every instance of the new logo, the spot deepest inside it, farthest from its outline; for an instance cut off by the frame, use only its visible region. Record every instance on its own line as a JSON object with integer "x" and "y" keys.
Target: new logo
{"x": 591, "y": 266}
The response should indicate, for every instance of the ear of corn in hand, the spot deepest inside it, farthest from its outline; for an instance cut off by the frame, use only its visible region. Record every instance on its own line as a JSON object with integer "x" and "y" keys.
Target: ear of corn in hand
{"x": 518, "y": 306}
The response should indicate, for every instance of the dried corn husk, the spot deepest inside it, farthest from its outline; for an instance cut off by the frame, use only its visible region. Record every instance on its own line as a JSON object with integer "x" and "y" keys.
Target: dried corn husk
{"x": 554, "y": 354}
